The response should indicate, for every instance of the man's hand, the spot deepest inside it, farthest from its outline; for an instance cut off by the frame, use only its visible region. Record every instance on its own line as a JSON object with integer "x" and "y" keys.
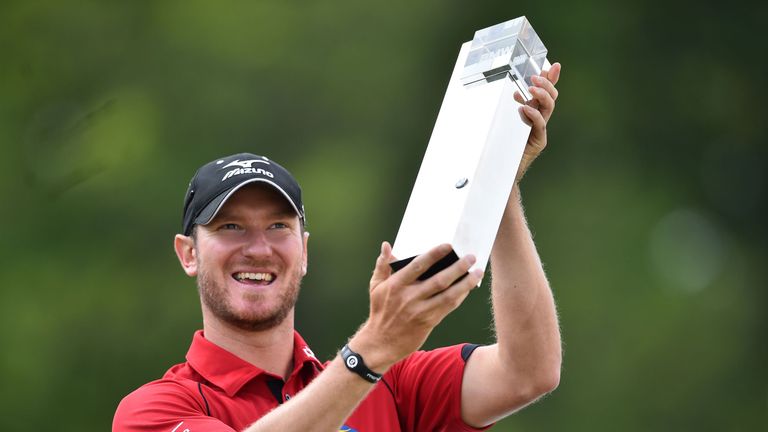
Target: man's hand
{"x": 536, "y": 113}
{"x": 404, "y": 310}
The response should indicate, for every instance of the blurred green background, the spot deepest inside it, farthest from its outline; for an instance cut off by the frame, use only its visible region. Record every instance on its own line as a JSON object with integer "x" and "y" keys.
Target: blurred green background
{"x": 648, "y": 206}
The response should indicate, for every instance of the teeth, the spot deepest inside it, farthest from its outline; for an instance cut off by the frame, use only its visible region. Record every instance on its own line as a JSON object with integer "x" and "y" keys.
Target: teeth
{"x": 267, "y": 277}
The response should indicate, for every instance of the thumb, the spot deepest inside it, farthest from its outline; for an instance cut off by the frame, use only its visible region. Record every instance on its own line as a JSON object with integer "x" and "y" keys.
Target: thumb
{"x": 382, "y": 270}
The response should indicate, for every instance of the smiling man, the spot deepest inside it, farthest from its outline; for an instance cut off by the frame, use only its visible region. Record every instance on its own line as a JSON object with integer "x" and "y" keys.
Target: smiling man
{"x": 243, "y": 238}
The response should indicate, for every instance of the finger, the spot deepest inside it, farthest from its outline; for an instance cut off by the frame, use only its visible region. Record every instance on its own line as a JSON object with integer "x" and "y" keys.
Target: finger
{"x": 537, "y": 122}
{"x": 546, "y": 104}
{"x": 519, "y": 98}
{"x": 553, "y": 73}
{"x": 446, "y": 277}
{"x": 421, "y": 263}
{"x": 382, "y": 270}
{"x": 524, "y": 116}
{"x": 452, "y": 297}
{"x": 546, "y": 85}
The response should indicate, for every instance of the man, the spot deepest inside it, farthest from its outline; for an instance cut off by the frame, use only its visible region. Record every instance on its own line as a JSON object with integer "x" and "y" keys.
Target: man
{"x": 249, "y": 370}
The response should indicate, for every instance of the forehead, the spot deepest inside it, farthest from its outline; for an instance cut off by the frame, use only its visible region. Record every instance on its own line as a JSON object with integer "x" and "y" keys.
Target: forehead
{"x": 257, "y": 196}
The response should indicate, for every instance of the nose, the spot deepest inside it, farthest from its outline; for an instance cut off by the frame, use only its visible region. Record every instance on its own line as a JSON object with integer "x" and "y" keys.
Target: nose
{"x": 256, "y": 245}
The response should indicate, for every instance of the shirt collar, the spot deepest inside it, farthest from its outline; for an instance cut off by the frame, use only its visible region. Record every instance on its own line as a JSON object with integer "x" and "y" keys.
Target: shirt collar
{"x": 229, "y": 372}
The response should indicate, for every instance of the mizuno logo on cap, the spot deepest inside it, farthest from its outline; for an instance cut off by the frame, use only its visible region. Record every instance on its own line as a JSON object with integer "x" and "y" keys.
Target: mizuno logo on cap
{"x": 245, "y": 168}
{"x": 238, "y": 171}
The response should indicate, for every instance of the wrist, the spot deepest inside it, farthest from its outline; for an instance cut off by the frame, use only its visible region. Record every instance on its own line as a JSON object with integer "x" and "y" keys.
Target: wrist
{"x": 355, "y": 363}
{"x": 373, "y": 350}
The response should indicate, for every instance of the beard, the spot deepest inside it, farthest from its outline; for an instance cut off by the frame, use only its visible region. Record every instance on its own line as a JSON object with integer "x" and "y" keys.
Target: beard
{"x": 214, "y": 297}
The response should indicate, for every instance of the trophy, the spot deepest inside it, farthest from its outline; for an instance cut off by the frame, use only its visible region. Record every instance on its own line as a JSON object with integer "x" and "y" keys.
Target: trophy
{"x": 472, "y": 158}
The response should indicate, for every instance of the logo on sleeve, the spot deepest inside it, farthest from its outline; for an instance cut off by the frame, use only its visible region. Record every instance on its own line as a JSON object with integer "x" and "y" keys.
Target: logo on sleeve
{"x": 308, "y": 352}
{"x": 346, "y": 428}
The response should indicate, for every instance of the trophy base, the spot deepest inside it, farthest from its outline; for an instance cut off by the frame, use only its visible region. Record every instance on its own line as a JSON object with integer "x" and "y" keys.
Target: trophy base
{"x": 436, "y": 268}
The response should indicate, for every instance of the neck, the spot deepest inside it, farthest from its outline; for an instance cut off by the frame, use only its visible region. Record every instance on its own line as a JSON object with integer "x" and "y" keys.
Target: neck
{"x": 270, "y": 350}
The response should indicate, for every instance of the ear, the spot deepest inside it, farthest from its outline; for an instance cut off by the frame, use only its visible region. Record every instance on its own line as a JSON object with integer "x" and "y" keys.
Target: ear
{"x": 305, "y": 254}
{"x": 185, "y": 251}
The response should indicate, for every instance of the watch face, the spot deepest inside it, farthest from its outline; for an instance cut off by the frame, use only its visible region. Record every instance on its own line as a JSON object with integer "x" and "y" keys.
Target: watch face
{"x": 352, "y": 361}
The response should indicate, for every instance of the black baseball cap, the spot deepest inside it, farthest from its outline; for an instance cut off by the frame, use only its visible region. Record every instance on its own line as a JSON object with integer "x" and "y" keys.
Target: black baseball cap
{"x": 219, "y": 179}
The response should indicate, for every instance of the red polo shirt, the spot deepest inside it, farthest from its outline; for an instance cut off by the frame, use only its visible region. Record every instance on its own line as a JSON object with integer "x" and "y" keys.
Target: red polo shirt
{"x": 217, "y": 391}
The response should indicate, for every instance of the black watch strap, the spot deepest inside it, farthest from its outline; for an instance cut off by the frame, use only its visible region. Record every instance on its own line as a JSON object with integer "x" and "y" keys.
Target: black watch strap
{"x": 354, "y": 362}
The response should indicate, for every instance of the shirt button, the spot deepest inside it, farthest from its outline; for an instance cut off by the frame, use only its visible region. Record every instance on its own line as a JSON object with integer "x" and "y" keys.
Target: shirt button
{"x": 287, "y": 397}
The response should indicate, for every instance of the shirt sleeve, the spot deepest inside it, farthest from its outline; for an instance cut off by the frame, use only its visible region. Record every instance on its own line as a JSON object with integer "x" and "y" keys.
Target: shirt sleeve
{"x": 165, "y": 406}
{"x": 427, "y": 390}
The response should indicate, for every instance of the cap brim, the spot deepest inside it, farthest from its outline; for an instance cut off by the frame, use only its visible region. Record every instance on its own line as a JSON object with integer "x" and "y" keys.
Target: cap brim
{"x": 212, "y": 209}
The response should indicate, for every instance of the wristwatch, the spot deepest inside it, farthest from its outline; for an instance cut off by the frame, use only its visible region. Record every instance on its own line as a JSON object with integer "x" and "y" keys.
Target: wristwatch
{"x": 354, "y": 362}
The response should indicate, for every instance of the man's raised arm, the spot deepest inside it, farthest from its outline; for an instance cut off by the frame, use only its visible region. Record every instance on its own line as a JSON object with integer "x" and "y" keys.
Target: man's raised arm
{"x": 524, "y": 363}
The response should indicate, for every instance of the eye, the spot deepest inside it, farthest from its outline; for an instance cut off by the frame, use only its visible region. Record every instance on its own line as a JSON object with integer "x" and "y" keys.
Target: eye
{"x": 229, "y": 226}
{"x": 278, "y": 225}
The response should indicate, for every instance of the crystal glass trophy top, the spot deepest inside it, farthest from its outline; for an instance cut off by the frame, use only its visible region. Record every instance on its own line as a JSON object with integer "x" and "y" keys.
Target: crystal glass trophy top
{"x": 470, "y": 164}
{"x": 510, "y": 47}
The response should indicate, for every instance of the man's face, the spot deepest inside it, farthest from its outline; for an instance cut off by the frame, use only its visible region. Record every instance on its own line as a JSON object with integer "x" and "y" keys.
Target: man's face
{"x": 250, "y": 259}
